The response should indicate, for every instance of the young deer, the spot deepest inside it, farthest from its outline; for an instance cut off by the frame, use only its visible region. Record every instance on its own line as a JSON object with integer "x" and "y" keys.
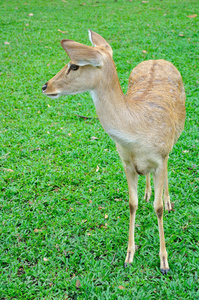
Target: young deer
{"x": 145, "y": 123}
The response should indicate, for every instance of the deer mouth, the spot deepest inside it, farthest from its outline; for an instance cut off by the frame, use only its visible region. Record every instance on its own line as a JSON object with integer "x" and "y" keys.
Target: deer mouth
{"x": 53, "y": 96}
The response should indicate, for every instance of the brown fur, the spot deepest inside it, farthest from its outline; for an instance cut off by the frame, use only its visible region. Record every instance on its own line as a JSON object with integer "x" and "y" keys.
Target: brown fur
{"x": 145, "y": 123}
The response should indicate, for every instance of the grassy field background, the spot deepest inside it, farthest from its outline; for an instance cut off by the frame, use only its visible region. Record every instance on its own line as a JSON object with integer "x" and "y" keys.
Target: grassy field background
{"x": 64, "y": 212}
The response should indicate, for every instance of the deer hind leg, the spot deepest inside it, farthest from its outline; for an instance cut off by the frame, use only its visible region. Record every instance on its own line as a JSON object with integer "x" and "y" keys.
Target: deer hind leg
{"x": 132, "y": 179}
{"x": 147, "y": 194}
{"x": 159, "y": 179}
{"x": 167, "y": 203}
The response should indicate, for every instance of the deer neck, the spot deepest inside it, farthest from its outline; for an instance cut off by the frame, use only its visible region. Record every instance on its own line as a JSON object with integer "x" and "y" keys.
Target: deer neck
{"x": 108, "y": 98}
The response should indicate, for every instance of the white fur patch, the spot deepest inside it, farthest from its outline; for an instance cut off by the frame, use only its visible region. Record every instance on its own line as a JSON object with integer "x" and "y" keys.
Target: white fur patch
{"x": 94, "y": 97}
{"x": 90, "y": 37}
{"x": 124, "y": 139}
{"x": 53, "y": 96}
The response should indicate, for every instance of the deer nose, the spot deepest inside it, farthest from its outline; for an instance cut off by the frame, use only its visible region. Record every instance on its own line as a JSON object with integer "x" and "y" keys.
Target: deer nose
{"x": 44, "y": 87}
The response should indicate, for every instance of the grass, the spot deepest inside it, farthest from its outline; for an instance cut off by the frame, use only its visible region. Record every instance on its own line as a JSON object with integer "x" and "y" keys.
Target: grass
{"x": 64, "y": 225}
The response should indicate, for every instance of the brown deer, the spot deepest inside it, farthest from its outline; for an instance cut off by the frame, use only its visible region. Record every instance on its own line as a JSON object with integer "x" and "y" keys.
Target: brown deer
{"x": 145, "y": 123}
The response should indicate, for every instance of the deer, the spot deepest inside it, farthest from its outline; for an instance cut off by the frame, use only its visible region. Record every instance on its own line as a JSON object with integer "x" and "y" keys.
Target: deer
{"x": 144, "y": 123}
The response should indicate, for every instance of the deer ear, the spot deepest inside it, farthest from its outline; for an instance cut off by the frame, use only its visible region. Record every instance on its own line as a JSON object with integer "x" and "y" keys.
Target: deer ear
{"x": 81, "y": 54}
{"x": 98, "y": 40}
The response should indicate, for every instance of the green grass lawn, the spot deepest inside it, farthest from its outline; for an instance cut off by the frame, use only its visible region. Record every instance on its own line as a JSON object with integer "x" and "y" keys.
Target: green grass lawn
{"x": 64, "y": 212}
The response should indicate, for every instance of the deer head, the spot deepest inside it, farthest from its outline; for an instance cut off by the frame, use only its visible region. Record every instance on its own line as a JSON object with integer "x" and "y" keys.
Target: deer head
{"x": 84, "y": 70}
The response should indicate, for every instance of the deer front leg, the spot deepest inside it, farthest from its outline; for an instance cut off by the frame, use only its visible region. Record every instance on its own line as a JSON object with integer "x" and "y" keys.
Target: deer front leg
{"x": 167, "y": 203}
{"x": 147, "y": 194}
{"x": 159, "y": 178}
{"x": 132, "y": 179}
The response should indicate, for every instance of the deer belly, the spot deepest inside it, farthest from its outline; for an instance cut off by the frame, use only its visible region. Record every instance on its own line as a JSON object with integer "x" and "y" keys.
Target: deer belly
{"x": 139, "y": 157}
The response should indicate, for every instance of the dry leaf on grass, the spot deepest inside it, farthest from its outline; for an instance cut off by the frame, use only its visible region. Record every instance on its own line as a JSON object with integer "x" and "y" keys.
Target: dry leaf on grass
{"x": 192, "y": 16}
{"x": 103, "y": 225}
{"x": 37, "y": 230}
{"x": 78, "y": 284}
{"x": 121, "y": 287}
{"x": 100, "y": 207}
{"x": 8, "y": 170}
{"x": 62, "y": 31}
{"x": 45, "y": 259}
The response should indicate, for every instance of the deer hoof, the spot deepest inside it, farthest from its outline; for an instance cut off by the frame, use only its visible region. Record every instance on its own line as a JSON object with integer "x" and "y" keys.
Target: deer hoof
{"x": 164, "y": 271}
{"x": 126, "y": 264}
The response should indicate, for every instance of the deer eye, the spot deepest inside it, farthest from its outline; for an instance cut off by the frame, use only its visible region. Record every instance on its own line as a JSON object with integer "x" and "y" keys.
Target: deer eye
{"x": 74, "y": 67}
